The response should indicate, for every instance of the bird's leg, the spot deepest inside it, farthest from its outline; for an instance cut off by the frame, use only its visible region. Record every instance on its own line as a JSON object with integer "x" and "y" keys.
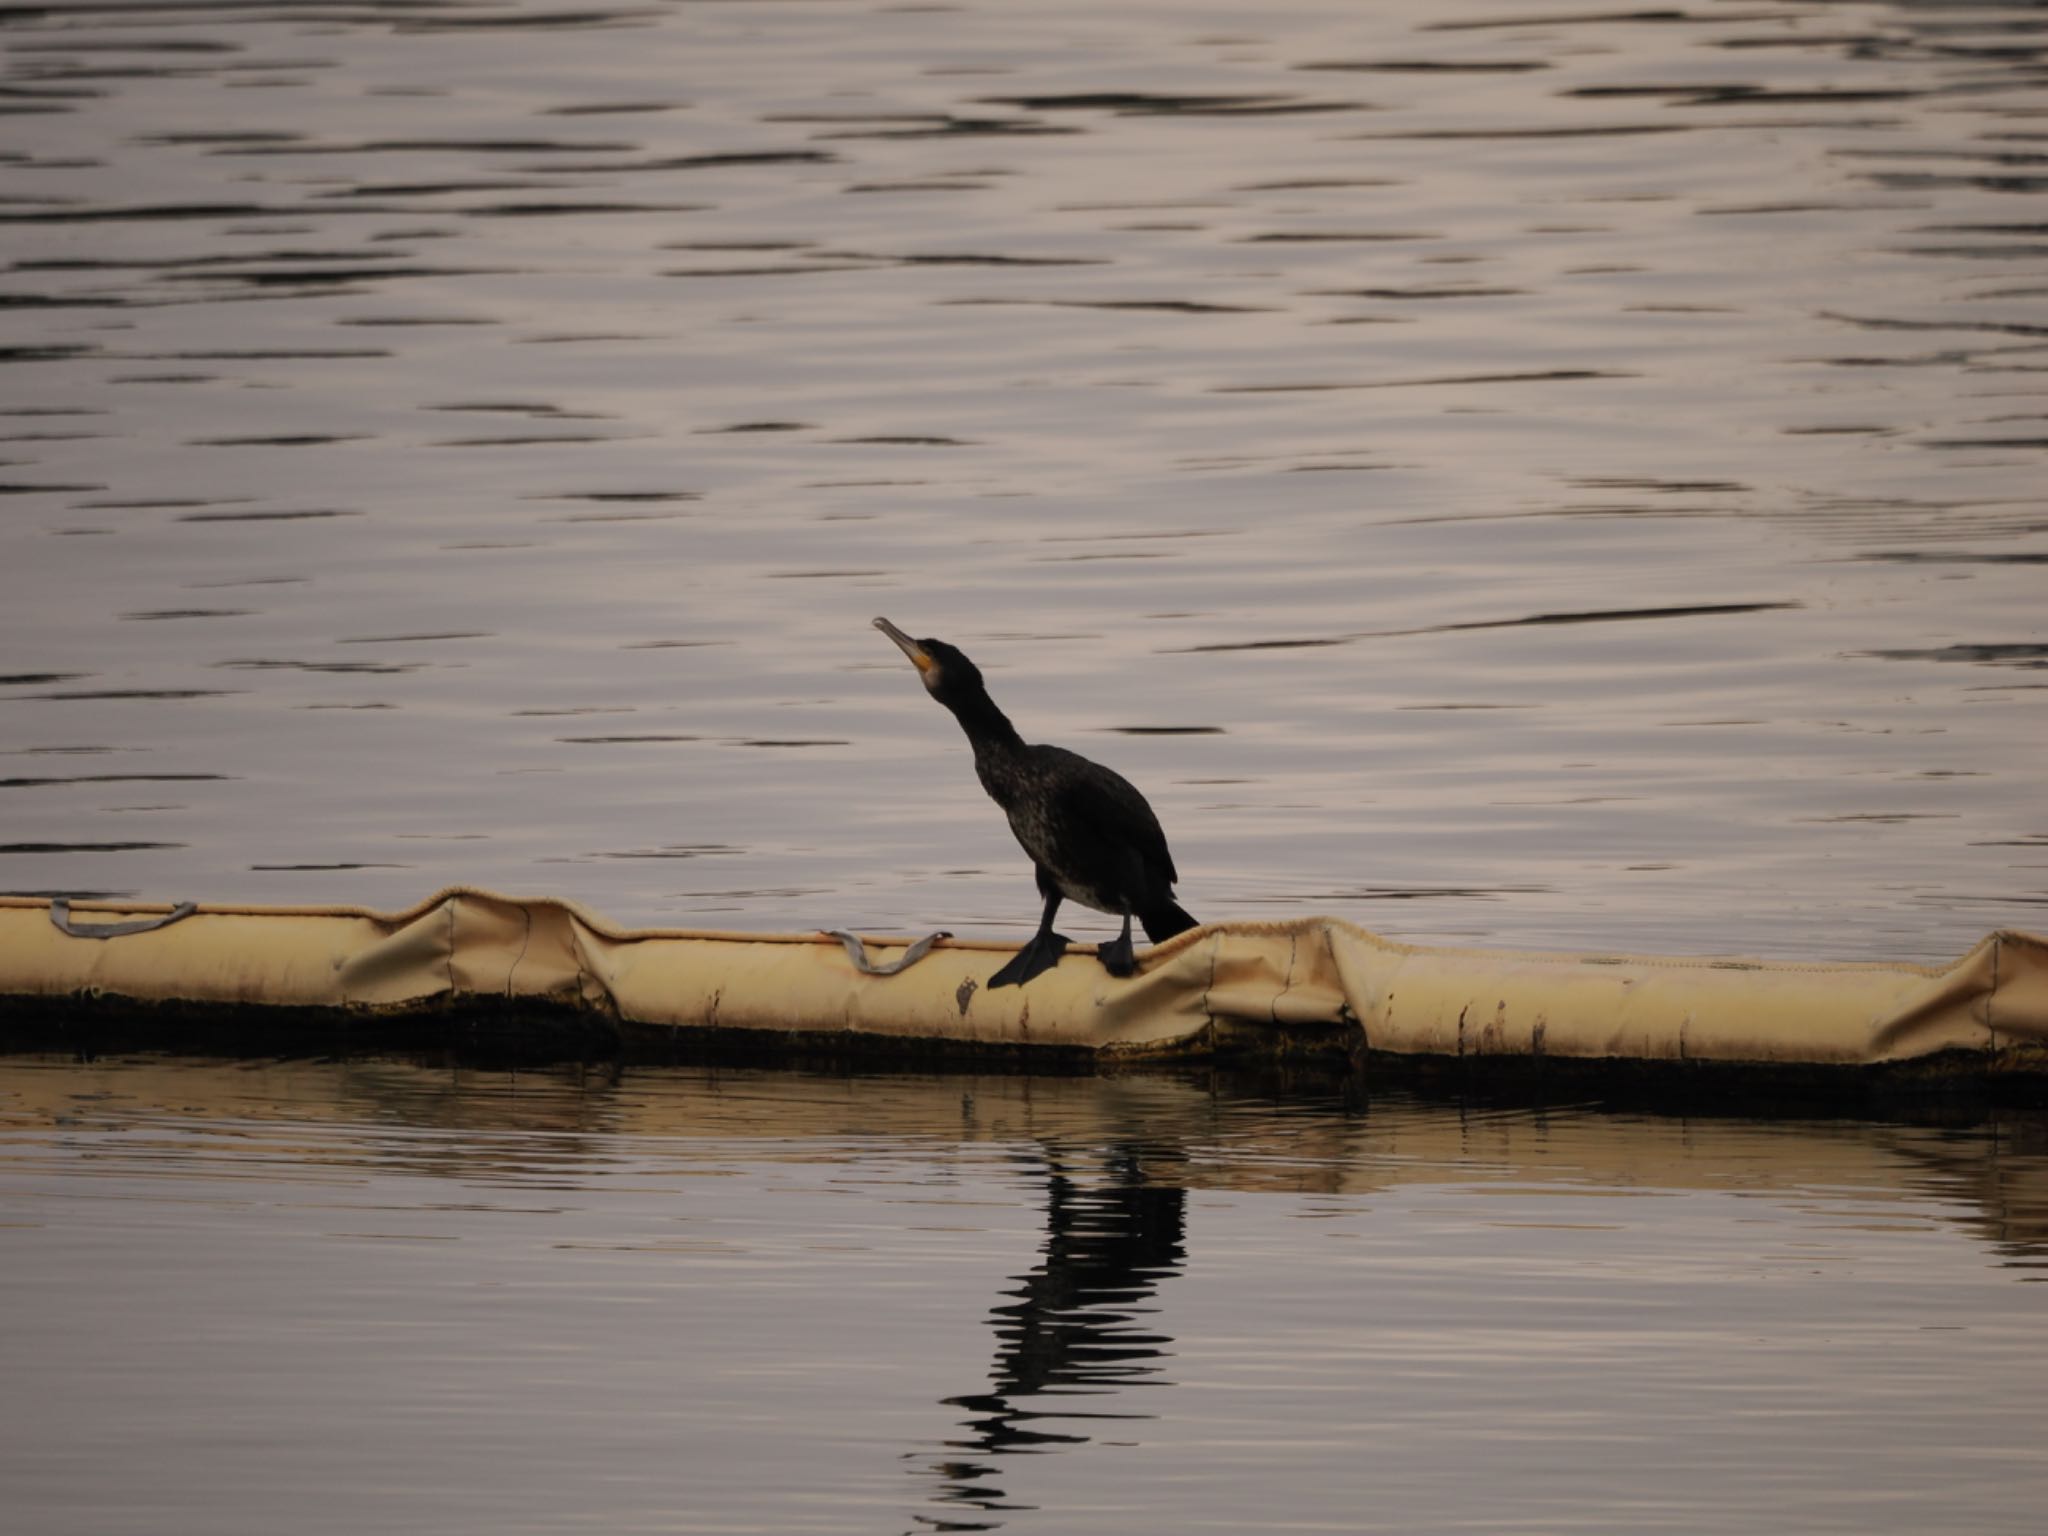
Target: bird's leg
{"x": 1116, "y": 956}
{"x": 1041, "y": 954}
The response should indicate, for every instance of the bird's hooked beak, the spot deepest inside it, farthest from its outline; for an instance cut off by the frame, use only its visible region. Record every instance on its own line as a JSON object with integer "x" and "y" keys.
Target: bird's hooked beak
{"x": 919, "y": 657}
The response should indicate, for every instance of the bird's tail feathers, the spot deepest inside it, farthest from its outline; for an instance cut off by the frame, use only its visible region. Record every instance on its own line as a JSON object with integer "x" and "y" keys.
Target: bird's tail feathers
{"x": 1163, "y": 919}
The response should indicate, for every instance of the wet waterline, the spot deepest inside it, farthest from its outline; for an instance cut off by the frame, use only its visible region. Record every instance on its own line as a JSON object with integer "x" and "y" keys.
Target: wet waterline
{"x": 379, "y": 1294}
{"x": 1490, "y": 472}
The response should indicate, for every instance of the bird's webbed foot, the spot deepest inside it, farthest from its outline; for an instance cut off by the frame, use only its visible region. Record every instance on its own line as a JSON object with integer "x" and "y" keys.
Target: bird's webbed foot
{"x": 1041, "y": 954}
{"x": 1117, "y": 956}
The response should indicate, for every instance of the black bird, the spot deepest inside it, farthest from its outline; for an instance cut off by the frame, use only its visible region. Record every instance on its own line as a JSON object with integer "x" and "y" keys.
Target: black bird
{"x": 1088, "y": 830}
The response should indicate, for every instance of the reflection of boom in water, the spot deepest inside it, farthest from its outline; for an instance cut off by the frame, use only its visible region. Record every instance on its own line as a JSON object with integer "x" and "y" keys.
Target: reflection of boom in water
{"x": 1073, "y": 1328}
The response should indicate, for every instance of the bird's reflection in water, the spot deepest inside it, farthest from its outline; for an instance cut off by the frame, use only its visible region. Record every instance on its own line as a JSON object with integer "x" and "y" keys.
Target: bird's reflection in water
{"x": 1077, "y": 1327}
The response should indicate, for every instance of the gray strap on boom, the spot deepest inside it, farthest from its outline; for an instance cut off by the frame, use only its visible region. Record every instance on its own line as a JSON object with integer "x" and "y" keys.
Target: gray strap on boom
{"x": 857, "y": 952}
{"x": 60, "y": 914}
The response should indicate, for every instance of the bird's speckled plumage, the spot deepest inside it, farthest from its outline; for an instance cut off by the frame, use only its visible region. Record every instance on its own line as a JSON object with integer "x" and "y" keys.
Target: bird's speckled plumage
{"x": 1083, "y": 824}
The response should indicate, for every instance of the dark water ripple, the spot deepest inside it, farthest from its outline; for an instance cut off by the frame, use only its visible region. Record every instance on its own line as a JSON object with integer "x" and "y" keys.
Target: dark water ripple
{"x": 1631, "y": 369}
{"x": 814, "y": 1304}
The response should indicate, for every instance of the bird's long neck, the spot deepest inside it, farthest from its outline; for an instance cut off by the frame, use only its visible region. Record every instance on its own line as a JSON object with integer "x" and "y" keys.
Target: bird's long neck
{"x": 987, "y": 727}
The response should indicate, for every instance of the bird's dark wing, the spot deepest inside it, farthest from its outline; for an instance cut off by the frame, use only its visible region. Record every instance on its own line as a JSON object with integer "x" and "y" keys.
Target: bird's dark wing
{"x": 1105, "y": 807}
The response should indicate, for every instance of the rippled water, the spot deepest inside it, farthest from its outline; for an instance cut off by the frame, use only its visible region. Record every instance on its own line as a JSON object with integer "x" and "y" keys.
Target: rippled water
{"x": 1487, "y": 469}
{"x": 383, "y": 1297}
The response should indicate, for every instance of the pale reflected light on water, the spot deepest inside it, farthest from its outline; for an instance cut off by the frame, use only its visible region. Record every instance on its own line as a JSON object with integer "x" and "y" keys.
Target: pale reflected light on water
{"x": 377, "y": 1296}
{"x": 1488, "y": 471}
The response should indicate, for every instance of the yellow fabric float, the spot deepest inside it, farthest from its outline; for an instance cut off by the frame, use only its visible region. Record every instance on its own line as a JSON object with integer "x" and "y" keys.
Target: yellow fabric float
{"x": 1272, "y": 985}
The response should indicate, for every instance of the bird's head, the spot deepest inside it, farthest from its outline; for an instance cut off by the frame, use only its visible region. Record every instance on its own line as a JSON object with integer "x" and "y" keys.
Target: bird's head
{"x": 945, "y": 671}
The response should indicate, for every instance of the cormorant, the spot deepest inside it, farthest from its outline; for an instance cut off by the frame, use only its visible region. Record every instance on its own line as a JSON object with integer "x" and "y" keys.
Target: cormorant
{"x": 1089, "y": 832}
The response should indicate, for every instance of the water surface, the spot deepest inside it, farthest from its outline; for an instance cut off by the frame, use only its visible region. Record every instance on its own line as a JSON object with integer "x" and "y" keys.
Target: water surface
{"x": 374, "y": 1296}
{"x": 1497, "y": 471}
